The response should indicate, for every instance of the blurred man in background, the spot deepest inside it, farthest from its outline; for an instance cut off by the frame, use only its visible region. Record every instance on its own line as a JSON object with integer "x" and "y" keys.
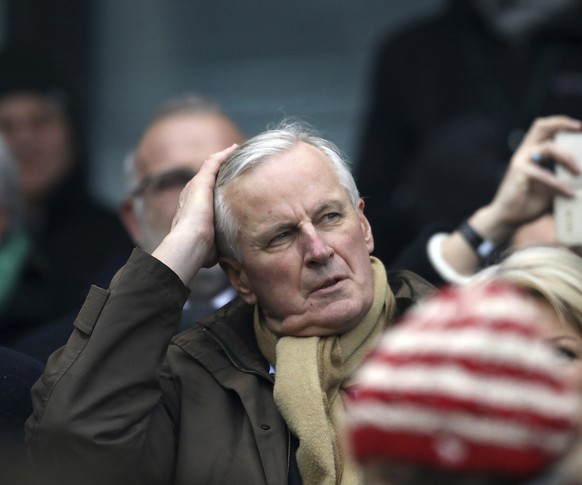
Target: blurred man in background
{"x": 184, "y": 133}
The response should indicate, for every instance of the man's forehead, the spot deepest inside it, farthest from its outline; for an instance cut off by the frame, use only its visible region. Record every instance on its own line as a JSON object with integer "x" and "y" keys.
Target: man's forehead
{"x": 301, "y": 159}
{"x": 183, "y": 140}
{"x": 301, "y": 176}
{"x": 25, "y": 101}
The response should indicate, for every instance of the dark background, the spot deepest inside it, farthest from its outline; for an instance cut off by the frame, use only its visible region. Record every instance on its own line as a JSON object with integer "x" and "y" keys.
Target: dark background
{"x": 261, "y": 60}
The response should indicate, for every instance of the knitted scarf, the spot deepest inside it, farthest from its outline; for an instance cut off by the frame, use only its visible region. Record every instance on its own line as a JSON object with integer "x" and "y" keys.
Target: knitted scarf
{"x": 311, "y": 372}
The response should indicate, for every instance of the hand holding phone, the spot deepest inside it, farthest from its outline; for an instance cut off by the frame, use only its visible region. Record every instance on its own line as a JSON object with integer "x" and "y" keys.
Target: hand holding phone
{"x": 568, "y": 211}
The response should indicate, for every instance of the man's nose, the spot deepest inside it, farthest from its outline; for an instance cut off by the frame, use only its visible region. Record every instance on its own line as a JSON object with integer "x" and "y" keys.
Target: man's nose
{"x": 317, "y": 250}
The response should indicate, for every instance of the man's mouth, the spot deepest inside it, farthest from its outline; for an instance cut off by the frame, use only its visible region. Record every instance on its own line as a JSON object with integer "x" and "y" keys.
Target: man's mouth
{"x": 329, "y": 283}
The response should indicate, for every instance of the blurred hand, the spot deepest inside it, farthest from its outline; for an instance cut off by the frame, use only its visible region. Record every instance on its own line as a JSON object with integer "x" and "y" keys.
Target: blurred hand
{"x": 528, "y": 189}
{"x": 526, "y": 193}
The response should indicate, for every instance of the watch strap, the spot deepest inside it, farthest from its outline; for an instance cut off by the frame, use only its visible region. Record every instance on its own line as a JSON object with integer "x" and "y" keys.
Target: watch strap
{"x": 483, "y": 247}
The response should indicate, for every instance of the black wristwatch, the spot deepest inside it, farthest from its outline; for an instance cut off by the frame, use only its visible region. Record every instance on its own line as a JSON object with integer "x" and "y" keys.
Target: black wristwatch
{"x": 483, "y": 247}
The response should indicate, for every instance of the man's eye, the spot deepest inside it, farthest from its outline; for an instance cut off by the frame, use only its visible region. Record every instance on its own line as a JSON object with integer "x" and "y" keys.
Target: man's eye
{"x": 331, "y": 216}
{"x": 280, "y": 237}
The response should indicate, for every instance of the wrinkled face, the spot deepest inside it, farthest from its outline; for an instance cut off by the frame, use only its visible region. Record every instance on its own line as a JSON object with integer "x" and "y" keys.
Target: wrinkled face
{"x": 169, "y": 154}
{"x": 564, "y": 338}
{"x": 305, "y": 248}
{"x": 39, "y": 138}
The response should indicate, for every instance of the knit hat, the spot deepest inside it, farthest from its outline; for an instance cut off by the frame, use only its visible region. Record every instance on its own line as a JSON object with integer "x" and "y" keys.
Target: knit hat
{"x": 465, "y": 383}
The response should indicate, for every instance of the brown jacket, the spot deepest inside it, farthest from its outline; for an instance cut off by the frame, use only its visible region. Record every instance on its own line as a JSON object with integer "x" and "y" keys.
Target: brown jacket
{"x": 112, "y": 408}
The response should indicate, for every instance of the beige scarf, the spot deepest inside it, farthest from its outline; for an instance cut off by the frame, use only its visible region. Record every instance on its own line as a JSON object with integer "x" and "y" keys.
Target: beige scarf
{"x": 311, "y": 372}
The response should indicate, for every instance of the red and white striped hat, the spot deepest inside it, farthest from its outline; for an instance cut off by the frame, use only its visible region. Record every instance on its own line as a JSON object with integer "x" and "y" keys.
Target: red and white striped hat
{"x": 465, "y": 383}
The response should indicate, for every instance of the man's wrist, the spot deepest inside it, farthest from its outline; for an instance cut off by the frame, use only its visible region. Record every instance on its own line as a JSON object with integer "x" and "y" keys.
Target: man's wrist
{"x": 183, "y": 255}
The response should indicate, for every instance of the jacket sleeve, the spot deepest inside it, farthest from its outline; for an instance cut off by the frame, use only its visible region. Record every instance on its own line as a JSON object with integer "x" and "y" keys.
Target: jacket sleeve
{"x": 101, "y": 411}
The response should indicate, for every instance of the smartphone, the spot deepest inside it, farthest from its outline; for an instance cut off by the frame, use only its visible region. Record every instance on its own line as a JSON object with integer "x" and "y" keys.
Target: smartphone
{"x": 568, "y": 212}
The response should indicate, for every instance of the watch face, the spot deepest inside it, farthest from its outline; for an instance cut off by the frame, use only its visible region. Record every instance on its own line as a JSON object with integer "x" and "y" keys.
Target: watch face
{"x": 486, "y": 248}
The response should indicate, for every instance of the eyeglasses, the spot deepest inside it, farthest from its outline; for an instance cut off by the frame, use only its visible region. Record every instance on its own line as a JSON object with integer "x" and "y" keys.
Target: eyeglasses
{"x": 155, "y": 184}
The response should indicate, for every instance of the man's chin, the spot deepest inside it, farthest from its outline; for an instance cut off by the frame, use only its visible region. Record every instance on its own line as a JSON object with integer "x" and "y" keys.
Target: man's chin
{"x": 325, "y": 323}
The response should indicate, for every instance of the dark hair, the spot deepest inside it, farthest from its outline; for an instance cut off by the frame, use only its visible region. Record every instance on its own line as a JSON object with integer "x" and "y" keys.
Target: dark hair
{"x": 26, "y": 72}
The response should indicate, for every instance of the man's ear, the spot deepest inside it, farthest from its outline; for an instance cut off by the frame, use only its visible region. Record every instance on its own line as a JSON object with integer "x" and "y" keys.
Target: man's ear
{"x": 238, "y": 279}
{"x": 129, "y": 219}
{"x": 366, "y": 227}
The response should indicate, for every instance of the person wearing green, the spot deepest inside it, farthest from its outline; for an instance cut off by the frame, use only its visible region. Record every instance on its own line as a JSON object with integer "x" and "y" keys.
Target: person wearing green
{"x": 14, "y": 242}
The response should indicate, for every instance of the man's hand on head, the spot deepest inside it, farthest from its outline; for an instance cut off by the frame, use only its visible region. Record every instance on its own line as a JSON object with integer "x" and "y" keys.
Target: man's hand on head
{"x": 190, "y": 244}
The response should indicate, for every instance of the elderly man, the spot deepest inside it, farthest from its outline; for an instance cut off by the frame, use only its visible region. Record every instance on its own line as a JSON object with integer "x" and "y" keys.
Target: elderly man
{"x": 185, "y": 132}
{"x": 284, "y": 219}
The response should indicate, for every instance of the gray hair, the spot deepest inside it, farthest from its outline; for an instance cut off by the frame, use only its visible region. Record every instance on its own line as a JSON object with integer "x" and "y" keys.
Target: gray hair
{"x": 257, "y": 150}
{"x": 553, "y": 272}
{"x": 187, "y": 104}
{"x": 10, "y": 196}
